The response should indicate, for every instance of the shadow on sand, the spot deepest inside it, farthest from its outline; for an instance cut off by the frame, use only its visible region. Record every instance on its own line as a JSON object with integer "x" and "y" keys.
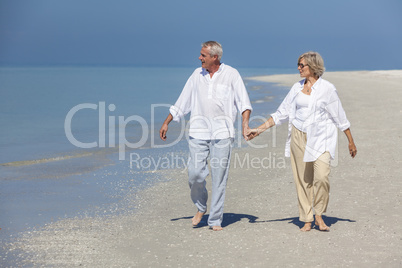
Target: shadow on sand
{"x": 230, "y": 218}
{"x": 295, "y": 220}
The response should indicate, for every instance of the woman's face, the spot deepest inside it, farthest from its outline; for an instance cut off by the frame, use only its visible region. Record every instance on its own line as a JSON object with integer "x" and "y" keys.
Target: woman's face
{"x": 304, "y": 69}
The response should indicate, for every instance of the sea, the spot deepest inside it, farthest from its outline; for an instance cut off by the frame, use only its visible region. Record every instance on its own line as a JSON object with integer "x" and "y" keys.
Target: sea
{"x": 76, "y": 141}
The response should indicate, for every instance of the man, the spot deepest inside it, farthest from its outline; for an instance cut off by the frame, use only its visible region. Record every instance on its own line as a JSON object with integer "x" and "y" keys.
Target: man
{"x": 212, "y": 94}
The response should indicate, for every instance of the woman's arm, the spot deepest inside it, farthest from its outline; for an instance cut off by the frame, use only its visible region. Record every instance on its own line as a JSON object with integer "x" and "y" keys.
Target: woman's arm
{"x": 281, "y": 115}
{"x": 352, "y": 146}
{"x": 252, "y": 133}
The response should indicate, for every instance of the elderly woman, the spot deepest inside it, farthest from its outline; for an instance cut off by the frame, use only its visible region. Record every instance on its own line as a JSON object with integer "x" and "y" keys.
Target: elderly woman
{"x": 314, "y": 111}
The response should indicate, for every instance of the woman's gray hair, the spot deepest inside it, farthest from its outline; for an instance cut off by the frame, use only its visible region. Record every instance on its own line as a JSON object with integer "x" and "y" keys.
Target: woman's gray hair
{"x": 314, "y": 61}
{"x": 214, "y": 48}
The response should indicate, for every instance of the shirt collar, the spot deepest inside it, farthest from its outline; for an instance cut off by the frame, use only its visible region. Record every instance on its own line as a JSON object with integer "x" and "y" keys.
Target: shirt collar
{"x": 315, "y": 86}
{"x": 221, "y": 67}
{"x": 317, "y": 83}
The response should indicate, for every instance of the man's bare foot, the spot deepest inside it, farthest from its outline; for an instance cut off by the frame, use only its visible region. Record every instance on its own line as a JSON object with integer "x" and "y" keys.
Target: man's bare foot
{"x": 321, "y": 224}
{"x": 197, "y": 218}
{"x": 306, "y": 227}
{"x": 217, "y": 228}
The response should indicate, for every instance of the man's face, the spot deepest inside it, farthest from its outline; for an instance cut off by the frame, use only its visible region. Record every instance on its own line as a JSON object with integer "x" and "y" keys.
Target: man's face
{"x": 206, "y": 60}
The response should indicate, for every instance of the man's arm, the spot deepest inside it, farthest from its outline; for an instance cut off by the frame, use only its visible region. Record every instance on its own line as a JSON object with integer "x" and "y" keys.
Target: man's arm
{"x": 164, "y": 128}
{"x": 246, "y": 118}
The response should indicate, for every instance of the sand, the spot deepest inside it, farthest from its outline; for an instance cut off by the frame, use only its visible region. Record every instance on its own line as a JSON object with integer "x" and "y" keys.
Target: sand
{"x": 261, "y": 226}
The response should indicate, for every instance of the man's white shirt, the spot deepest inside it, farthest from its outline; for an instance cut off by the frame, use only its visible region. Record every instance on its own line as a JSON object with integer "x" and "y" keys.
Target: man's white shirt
{"x": 213, "y": 103}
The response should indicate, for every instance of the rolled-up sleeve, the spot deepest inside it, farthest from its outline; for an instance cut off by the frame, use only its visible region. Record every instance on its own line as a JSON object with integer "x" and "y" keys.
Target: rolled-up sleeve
{"x": 176, "y": 113}
{"x": 282, "y": 114}
{"x": 242, "y": 100}
{"x": 183, "y": 103}
{"x": 336, "y": 112}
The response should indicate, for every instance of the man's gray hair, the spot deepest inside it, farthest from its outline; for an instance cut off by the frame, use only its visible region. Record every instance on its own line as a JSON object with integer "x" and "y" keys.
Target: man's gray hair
{"x": 214, "y": 48}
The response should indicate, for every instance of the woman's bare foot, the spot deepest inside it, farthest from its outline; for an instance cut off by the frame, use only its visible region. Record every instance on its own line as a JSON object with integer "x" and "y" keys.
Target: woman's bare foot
{"x": 217, "y": 228}
{"x": 197, "y": 218}
{"x": 306, "y": 227}
{"x": 321, "y": 224}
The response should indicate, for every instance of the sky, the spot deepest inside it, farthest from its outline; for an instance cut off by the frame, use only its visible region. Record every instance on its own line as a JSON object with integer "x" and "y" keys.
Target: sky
{"x": 349, "y": 34}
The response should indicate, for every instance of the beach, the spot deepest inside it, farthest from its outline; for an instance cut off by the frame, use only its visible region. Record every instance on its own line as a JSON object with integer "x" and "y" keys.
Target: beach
{"x": 261, "y": 226}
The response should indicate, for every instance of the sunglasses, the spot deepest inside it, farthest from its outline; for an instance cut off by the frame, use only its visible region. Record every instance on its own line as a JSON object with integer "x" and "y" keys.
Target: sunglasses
{"x": 301, "y": 65}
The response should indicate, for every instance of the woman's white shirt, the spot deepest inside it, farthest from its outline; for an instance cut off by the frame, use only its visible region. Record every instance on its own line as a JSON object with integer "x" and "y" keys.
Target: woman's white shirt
{"x": 325, "y": 115}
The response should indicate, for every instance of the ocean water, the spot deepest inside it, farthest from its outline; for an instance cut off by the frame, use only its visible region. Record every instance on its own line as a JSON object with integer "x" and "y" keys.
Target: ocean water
{"x": 67, "y": 133}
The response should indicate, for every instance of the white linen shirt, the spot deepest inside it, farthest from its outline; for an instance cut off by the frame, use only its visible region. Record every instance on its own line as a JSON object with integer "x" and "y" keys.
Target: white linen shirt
{"x": 213, "y": 103}
{"x": 325, "y": 115}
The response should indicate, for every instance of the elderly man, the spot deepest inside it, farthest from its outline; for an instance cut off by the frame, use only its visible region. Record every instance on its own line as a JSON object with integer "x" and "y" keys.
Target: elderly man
{"x": 212, "y": 94}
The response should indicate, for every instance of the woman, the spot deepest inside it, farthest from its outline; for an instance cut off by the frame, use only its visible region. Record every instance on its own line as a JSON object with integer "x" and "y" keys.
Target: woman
{"x": 314, "y": 112}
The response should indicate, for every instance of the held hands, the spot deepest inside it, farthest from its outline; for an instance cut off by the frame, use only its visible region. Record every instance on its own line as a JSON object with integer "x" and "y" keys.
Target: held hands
{"x": 246, "y": 130}
{"x": 251, "y": 133}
